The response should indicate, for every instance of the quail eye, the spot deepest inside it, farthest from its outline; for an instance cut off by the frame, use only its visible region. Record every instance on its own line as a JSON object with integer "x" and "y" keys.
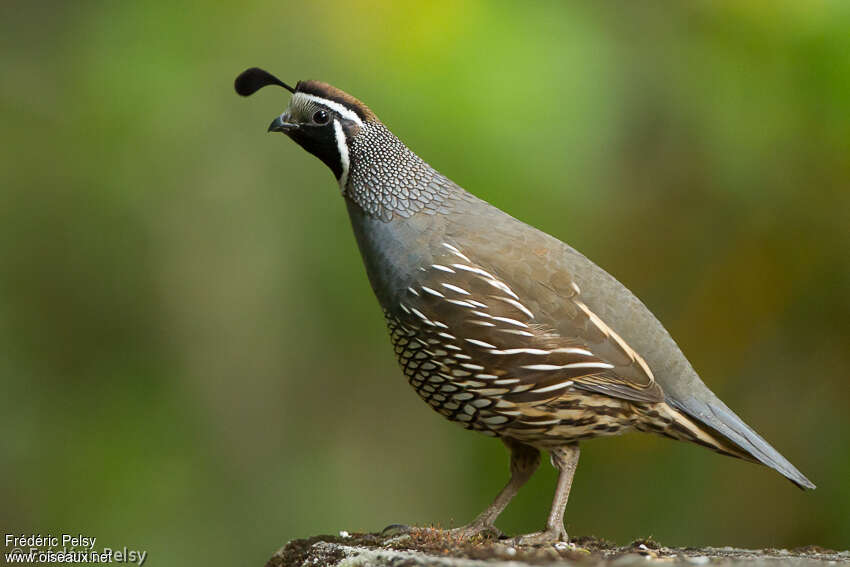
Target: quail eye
{"x": 320, "y": 117}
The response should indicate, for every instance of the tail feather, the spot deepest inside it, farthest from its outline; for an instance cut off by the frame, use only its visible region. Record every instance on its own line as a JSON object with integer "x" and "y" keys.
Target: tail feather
{"x": 680, "y": 426}
{"x": 718, "y": 426}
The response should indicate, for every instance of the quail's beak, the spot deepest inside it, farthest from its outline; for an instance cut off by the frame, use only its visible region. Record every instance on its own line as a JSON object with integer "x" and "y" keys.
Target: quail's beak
{"x": 278, "y": 125}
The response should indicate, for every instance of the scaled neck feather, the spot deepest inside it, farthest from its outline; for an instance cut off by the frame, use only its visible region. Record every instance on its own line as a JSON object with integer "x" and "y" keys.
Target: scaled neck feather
{"x": 387, "y": 180}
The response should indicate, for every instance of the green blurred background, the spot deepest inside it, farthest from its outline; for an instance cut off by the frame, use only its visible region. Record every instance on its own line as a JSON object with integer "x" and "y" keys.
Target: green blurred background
{"x": 191, "y": 359}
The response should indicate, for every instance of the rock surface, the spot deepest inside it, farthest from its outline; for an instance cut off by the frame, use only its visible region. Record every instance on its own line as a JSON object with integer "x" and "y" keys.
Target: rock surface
{"x": 432, "y": 548}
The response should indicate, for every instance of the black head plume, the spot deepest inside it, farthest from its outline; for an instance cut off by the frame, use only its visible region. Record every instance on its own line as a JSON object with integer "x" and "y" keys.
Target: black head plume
{"x": 251, "y": 80}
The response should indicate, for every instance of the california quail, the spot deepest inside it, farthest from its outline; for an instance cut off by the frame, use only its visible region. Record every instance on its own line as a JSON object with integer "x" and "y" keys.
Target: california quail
{"x": 497, "y": 325}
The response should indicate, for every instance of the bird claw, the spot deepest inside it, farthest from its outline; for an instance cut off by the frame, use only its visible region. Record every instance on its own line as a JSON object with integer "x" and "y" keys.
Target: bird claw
{"x": 546, "y": 537}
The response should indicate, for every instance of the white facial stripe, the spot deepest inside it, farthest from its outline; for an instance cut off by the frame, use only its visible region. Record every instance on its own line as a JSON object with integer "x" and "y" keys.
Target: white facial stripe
{"x": 342, "y": 147}
{"x": 335, "y": 106}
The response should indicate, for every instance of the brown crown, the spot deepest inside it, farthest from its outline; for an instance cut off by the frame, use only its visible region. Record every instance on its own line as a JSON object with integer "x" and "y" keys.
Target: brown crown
{"x": 330, "y": 92}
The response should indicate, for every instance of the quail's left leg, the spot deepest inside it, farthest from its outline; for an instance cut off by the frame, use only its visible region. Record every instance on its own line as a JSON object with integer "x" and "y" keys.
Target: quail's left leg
{"x": 524, "y": 461}
{"x": 565, "y": 459}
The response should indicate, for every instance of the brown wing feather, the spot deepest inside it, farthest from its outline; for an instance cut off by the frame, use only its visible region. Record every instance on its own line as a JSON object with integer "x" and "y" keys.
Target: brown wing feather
{"x": 496, "y": 344}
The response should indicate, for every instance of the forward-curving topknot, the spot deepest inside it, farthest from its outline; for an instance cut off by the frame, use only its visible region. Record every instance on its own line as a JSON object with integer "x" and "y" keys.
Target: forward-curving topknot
{"x": 251, "y": 80}
{"x": 326, "y": 91}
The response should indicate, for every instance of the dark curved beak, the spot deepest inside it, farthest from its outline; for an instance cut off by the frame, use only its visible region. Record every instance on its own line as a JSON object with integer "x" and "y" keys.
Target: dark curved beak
{"x": 278, "y": 125}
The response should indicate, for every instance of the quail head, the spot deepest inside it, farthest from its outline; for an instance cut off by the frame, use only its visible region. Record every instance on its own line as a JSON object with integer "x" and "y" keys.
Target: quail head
{"x": 498, "y": 326}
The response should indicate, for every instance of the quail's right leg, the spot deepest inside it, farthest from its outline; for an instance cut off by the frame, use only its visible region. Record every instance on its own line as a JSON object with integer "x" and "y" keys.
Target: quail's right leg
{"x": 565, "y": 459}
{"x": 524, "y": 461}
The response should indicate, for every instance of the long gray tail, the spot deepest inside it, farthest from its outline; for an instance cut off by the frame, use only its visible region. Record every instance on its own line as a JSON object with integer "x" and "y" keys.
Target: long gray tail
{"x": 728, "y": 434}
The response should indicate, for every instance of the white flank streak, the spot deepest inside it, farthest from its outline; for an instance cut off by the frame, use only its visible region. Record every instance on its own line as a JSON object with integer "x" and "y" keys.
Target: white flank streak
{"x": 481, "y": 323}
{"x": 553, "y": 387}
{"x": 342, "y": 147}
{"x": 474, "y": 270}
{"x": 480, "y": 343}
{"x": 567, "y": 350}
{"x": 442, "y": 268}
{"x": 506, "y": 381}
{"x": 575, "y": 287}
{"x": 517, "y": 332}
{"x": 444, "y": 326}
{"x": 478, "y": 304}
{"x": 420, "y": 314}
{"x": 472, "y": 366}
{"x": 432, "y": 291}
{"x": 510, "y": 321}
{"x": 456, "y": 252}
{"x": 520, "y": 351}
{"x": 447, "y": 336}
{"x": 486, "y": 376}
{"x": 542, "y": 367}
{"x": 516, "y": 304}
{"x": 404, "y": 307}
{"x": 333, "y": 105}
{"x": 461, "y": 303}
{"x": 455, "y": 288}
{"x": 499, "y": 285}
{"x": 603, "y": 365}
{"x": 413, "y": 291}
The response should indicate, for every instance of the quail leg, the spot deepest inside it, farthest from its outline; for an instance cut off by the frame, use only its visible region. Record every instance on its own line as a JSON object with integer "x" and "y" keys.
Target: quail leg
{"x": 565, "y": 459}
{"x": 524, "y": 461}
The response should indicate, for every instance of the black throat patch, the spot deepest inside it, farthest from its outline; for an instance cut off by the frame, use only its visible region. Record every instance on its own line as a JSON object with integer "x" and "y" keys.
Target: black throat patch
{"x": 321, "y": 142}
